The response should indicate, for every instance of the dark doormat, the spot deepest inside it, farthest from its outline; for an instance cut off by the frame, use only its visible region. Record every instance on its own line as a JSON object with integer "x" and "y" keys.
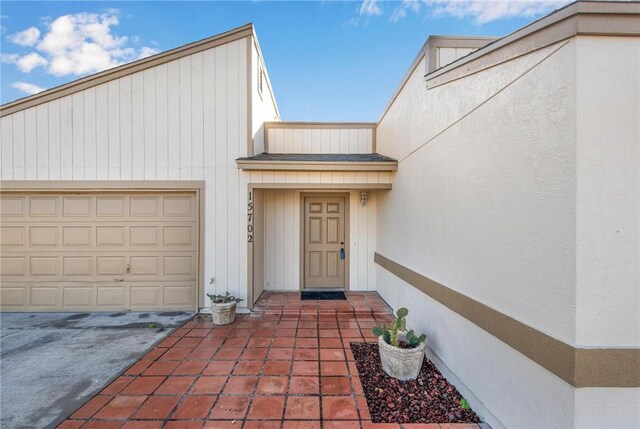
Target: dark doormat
{"x": 323, "y": 295}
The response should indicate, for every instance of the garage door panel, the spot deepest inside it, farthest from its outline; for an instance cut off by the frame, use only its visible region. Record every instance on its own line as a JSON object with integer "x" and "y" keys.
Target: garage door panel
{"x": 178, "y": 296}
{"x": 144, "y": 236}
{"x": 110, "y": 236}
{"x": 77, "y": 266}
{"x": 179, "y": 266}
{"x": 77, "y": 236}
{"x": 145, "y": 266}
{"x": 43, "y": 206}
{"x": 77, "y": 297}
{"x": 113, "y": 296}
{"x": 43, "y": 236}
{"x": 148, "y": 296}
{"x": 109, "y": 251}
{"x": 11, "y": 207}
{"x": 42, "y": 296}
{"x": 181, "y": 236}
{"x": 144, "y": 206}
{"x": 13, "y": 297}
{"x": 110, "y": 206}
{"x": 77, "y": 206}
{"x": 44, "y": 266}
{"x": 13, "y": 266}
{"x": 111, "y": 265}
{"x": 12, "y": 236}
{"x": 179, "y": 207}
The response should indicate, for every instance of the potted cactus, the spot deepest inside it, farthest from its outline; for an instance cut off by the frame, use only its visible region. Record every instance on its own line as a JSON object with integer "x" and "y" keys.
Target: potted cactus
{"x": 223, "y": 308}
{"x": 401, "y": 352}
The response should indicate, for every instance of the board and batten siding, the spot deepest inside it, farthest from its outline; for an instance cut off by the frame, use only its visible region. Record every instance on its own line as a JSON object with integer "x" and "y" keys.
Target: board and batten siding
{"x": 307, "y": 139}
{"x": 182, "y": 120}
{"x": 281, "y": 217}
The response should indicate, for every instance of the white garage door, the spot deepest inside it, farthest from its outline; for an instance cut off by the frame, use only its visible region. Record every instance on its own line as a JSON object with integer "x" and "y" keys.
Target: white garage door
{"x": 98, "y": 251}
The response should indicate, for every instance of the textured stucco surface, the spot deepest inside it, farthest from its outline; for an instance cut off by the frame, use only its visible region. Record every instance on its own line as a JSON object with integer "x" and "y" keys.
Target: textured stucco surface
{"x": 519, "y": 186}
{"x": 608, "y": 193}
{"x": 488, "y": 204}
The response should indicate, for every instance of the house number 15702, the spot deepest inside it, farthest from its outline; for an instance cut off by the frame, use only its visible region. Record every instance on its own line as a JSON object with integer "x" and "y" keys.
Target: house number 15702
{"x": 250, "y": 218}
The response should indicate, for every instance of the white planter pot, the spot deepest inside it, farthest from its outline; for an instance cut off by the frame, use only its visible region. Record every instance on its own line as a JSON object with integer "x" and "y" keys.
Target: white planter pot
{"x": 224, "y": 313}
{"x": 403, "y": 364}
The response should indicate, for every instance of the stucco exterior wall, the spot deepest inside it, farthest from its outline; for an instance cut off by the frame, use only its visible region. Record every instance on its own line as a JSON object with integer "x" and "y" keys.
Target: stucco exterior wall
{"x": 519, "y": 187}
{"x": 485, "y": 191}
{"x": 608, "y": 192}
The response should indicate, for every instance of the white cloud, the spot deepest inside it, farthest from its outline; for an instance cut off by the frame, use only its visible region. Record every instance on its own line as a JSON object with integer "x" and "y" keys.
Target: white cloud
{"x": 9, "y": 58}
{"x": 370, "y": 7}
{"x": 484, "y": 11}
{"x": 27, "y": 88}
{"x": 27, "y": 37}
{"x": 30, "y": 61}
{"x": 147, "y": 51}
{"x": 401, "y": 11}
{"x": 78, "y": 44}
{"x": 479, "y": 11}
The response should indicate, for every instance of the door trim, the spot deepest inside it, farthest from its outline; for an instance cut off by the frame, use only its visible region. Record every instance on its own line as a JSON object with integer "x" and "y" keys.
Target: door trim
{"x": 347, "y": 241}
{"x": 89, "y": 186}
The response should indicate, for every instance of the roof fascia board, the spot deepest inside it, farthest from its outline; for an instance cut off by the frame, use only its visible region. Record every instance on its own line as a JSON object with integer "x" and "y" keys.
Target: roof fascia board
{"x": 580, "y": 18}
{"x": 316, "y": 165}
{"x": 320, "y": 186}
{"x": 127, "y": 69}
{"x": 459, "y": 41}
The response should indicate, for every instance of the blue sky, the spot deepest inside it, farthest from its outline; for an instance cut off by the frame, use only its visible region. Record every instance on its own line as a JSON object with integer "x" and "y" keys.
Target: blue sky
{"x": 327, "y": 60}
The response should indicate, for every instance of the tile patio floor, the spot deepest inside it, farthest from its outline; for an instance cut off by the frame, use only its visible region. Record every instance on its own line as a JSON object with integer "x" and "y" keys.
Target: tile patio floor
{"x": 287, "y": 365}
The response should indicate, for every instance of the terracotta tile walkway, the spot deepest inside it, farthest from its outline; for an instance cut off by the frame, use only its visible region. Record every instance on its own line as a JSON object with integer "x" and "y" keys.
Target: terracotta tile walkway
{"x": 287, "y": 365}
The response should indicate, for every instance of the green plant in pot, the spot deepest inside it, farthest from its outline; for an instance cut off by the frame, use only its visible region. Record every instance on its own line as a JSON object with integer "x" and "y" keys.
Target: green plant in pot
{"x": 401, "y": 351}
{"x": 223, "y": 308}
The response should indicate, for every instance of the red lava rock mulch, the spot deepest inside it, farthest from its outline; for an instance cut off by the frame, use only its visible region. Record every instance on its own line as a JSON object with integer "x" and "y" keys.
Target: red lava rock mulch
{"x": 428, "y": 399}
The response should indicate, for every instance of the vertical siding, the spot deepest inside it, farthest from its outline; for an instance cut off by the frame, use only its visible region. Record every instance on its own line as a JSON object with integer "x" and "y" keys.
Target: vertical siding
{"x": 183, "y": 120}
{"x": 320, "y": 140}
{"x": 281, "y": 231}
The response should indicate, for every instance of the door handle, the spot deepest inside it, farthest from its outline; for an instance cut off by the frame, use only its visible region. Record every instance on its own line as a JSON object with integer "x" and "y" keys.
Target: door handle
{"x": 342, "y": 252}
{"x": 118, "y": 280}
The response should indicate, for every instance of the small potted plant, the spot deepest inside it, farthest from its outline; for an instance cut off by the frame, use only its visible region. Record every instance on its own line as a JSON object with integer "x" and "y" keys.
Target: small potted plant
{"x": 223, "y": 308}
{"x": 401, "y": 352}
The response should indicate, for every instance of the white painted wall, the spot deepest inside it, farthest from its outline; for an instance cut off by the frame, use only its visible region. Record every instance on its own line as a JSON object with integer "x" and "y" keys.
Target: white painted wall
{"x": 518, "y": 392}
{"x": 282, "y": 240}
{"x": 264, "y": 105}
{"x": 519, "y": 186}
{"x": 151, "y": 126}
{"x": 598, "y": 408}
{"x": 484, "y": 203}
{"x": 608, "y": 193}
{"x": 320, "y": 140}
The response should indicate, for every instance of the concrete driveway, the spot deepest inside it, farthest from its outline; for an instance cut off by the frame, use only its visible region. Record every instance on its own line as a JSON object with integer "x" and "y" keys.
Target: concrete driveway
{"x": 52, "y": 363}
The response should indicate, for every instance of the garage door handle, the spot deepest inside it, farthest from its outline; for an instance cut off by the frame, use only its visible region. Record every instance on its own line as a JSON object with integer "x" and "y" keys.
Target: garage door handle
{"x": 118, "y": 280}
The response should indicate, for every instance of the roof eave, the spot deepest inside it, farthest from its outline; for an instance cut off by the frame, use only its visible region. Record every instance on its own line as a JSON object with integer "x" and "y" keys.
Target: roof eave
{"x": 127, "y": 69}
{"x": 578, "y": 18}
{"x": 245, "y": 164}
